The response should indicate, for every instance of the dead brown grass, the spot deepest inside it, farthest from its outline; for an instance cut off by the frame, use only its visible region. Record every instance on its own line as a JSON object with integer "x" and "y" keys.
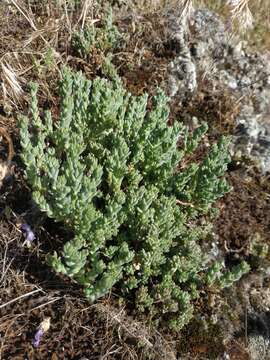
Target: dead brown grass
{"x": 35, "y": 43}
{"x": 258, "y": 35}
{"x": 30, "y": 293}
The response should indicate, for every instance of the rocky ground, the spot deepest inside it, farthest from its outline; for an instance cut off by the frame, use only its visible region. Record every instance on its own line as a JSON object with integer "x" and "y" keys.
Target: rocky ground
{"x": 211, "y": 76}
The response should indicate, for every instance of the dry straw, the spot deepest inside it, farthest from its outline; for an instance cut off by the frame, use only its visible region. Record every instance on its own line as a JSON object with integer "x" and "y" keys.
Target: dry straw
{"x": 238, "y": 9}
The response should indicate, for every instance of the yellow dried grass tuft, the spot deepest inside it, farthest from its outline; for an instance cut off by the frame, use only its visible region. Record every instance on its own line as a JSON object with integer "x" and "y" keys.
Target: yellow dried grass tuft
{"x": 11, "y": 83}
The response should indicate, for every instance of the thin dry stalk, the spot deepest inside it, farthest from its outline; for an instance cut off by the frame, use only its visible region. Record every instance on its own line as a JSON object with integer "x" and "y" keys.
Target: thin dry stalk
{"x": 86, "y": 8}
{"x": 152, "y": 340}
{"x": 6, "y": 265}
{"x": 20, "y": 297}
{"x": 7, "y": 329}
{"x": 240, "y": 11}
{"x": 27, "y": 16}
{"x": 50, "y": 27}
{"x": 186, "y": 10}
{"x": 53, "y": 300}
{"x": 11, "y": 86}
{"x": 110, "y": 351}
{"x": 24, "y": 13}
{"x": 133, "y": 328}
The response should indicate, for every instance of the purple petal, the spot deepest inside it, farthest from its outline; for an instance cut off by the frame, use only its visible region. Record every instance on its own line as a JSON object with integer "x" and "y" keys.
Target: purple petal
{"x": 27, "y": 232}
{"x": 37, "y": 337}
{"x": 30, "y": 236}
{"x": 25, "y": 227}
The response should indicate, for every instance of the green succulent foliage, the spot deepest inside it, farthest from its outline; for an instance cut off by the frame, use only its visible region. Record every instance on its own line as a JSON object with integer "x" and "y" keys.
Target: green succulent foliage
{"x": 107, "y": 170}
{"x": 92, "y": 37}
{"x": 215, "y": 277}
{"x": 228, "y": 278}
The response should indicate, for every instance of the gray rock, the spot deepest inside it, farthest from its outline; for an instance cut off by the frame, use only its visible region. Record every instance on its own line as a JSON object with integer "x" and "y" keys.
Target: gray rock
{"x": 182, "y": 70}
{"x": 209, "y": 52}
{"x": 259, "y": 347}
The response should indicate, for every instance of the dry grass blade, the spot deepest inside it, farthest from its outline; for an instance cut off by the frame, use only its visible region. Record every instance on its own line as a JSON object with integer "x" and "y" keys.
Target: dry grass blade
{"x": 5, "y": 266}
{"x": 10, "y": 83}
{"x": 111, "y": 351}
{"x": 186, "y": 10}
{"x": 87, "y": 6}
{"x": 20, "y": 297}
{"x": 6, "y": 329}
{"x": 240, "y": 11}
{"x": 51, "y": 301}
{"x": 49, "y": 27}
{"x": 133, "y": 328}
{"x": 28, "y": 18}
{"x": 24, "y": 13}
{"x": 152, "y": 341}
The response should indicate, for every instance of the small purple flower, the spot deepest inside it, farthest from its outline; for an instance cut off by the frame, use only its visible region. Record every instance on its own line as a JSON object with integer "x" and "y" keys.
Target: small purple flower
{"x": 43, "y": 327}
{"x": 27, "y": 232}
{"x": 37, "y": 338}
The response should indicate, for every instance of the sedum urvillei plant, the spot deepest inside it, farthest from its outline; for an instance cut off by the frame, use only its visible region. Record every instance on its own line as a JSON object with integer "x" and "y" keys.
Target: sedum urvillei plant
{"x": 107, "y": 169}
{"x": 103, "y": 38}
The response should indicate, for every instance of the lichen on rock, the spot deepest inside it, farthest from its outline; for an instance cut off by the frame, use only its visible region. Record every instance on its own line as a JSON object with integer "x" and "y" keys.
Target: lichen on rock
{"x": 208, "y": 51}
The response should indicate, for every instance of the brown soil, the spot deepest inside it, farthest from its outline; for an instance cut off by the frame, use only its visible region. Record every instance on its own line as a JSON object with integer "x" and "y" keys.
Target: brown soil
{"x": 244, "y": 212}
{"x": 31, "y": 292}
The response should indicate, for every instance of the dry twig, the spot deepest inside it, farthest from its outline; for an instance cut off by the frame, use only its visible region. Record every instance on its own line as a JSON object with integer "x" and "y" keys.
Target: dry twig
{"x": 20, "y": 297}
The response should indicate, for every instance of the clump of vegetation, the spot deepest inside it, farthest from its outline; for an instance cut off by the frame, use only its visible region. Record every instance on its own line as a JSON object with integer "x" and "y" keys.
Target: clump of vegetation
{"x": 107, "y": 169}
{"x": 103, "y": 38}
